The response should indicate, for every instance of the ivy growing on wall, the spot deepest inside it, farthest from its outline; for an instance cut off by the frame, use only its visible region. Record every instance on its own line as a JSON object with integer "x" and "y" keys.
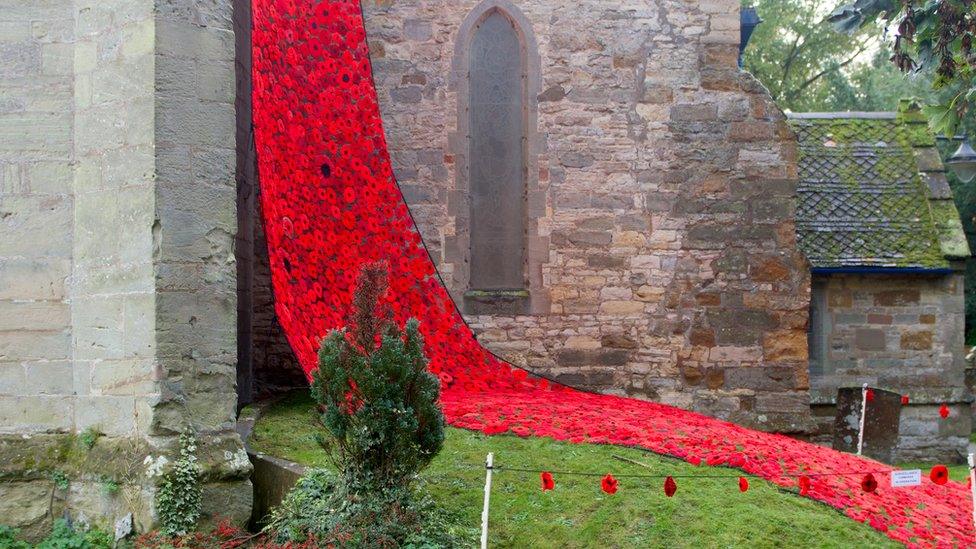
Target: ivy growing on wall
{"x": 179, "y": 496}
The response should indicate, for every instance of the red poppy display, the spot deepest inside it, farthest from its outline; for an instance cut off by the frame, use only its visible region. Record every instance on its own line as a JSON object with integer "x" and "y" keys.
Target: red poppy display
{"x": 608, "y": 484}
{"x": 944, "y": 411}
{"x": 804, "y": 484}
{"x": 869, "y": 483}
{"x": 331, "y": 204}
{"x": 904, "y": 400}
{"x": 939, "y": 474}
{"x": 869, "y": 395}
{"x": 670, "y": 486}
{"x": 743, "y": 484}
{"x": 548, "y": 483}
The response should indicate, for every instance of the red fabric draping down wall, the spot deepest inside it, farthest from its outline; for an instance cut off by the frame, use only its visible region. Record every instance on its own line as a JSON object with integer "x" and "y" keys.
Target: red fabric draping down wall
{"x": 331, "y": 204}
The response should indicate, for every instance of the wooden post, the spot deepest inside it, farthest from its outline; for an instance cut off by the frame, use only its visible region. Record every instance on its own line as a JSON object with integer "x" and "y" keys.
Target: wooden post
{"x": 864, "y": 406}
{"x": 972, "y": 483}
{"x": 484, "y": 512}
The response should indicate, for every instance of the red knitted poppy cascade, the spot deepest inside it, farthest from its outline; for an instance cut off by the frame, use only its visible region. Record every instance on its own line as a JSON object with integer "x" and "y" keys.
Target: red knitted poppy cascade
{"x": 331, "y": 205}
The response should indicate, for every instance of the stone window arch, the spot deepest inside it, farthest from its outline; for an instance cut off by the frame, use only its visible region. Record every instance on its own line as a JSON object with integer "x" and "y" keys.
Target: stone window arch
{"x": 497, "y": 77}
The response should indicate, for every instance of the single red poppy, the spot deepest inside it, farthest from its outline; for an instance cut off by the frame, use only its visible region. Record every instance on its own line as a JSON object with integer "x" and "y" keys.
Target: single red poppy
{"x": 944, "y": 411}
{"x": 904, "y": 400}
{"x": 608, "y": 484}
{"x": 547, "y": 481}
{"x": 869, "y": 395}
{"x": 939, "y": 474}
{"x": 670, "y": 487}
{"x": 869, "y": 484}
{"x": 804, "y": 484}
{"x": 743, "y": 484}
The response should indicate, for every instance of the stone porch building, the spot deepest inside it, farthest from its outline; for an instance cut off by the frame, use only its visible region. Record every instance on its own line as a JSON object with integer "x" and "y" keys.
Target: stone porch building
{"x": 877, "y": 221}
{"x": 608, "y": 196}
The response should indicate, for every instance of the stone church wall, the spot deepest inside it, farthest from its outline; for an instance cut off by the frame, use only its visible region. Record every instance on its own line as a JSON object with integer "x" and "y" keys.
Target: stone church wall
{"x": 116, "y": 254}
{"x": 660, "y": 253}
{"x": 904, "y": 334}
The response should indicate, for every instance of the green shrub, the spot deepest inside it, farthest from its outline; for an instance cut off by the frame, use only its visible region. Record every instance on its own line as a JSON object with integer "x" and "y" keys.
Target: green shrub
{"x": 63, "y": 536}
{"x": 380, "y": 403}
{"x": 320, "y": 508}
{"x": 89, "y": 437}
{"x": 382, "y": 426}
{"x": 9, "y": 539}
{"x": 60, "y": 479}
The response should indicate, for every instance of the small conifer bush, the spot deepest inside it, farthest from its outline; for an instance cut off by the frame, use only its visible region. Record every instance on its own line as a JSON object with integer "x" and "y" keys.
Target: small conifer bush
{"x": 382, "y": 426}
{"x": 378, "y": 401}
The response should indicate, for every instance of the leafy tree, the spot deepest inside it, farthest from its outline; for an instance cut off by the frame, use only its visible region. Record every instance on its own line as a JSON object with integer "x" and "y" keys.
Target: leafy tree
{"x": 934, "y": 37}
{"x": 799, "y": 58}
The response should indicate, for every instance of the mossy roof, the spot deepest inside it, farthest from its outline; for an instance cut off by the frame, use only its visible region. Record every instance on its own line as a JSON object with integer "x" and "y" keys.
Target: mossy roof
{"x": 873, "y": 193}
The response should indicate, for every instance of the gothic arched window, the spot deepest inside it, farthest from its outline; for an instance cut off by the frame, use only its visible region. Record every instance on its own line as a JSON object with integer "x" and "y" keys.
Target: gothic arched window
{"x": 497, "y": 155}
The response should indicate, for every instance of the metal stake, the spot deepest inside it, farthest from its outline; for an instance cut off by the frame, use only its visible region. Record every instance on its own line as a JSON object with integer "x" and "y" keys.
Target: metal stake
{"x": 864, "y": 407}
{"x": 972, "y": 483}
{"x": 484, "y": 512}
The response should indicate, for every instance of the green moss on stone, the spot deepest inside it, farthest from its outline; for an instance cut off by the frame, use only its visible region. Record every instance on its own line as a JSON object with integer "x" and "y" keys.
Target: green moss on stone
{"x": 900, "y": 230}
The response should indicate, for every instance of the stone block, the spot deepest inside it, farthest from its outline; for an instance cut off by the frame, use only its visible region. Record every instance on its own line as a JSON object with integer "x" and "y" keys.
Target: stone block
{"x": 35, "y": 226}
{"x": 596, "y": 357}
{"x": 273, "y": 478}
{"x": 178, "y": 38}
{"x": 791, "y": 402}
{"x": 896, "y": 298}
{"x": 25, "y": 505}
{"x": 119, "y": 83}
{"x": 407, "y": 94}
{"x": 42, "y": 133}
{"x": 739, "y": 328}
{"x": 18, "y": 59}
{"x": 54, "y": 377}
{"x": 34, "y": 414}
{"x": 15, "y": 31}
{"x": 618, "y": 307}
{"x": 98, "y": 327}
{"x": 13, "y": 381}
{"x": 593, "y": 378}
{"x": 618, "y": 341}
{"x": 574, "y": 159}
{"x": 33, "y": 315}
{"x": 57, "y": 59}
{"x": 52, "y": 177}
{"x": 920, "y": 340}
{"x": 552, "y": 94}
{"x": 111, "y": 415}
{"x": 24, "y": 345}
{"x": 869, "y": 339}
{"x": 785, "y": 345}
{"x": 417, "y": 30}
{"x": 694, "y": 112}
{"x": 138, "y": 326}
{"x": 138, "y": 40}
{"x": 123, "y": 378}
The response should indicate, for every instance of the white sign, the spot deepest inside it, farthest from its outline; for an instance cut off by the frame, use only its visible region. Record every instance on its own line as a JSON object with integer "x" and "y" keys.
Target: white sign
{"x": 911, "y": 477}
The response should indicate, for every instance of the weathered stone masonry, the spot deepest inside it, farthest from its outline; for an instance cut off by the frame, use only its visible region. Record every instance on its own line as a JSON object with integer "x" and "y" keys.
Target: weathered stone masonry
{"x": 117, "y": 283}
{"x": 905, "y": 334}
{"x": 660, "y": 183}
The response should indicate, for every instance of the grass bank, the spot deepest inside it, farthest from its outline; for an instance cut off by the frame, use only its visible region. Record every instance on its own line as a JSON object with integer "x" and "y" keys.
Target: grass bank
{"x": 706, "y": 512}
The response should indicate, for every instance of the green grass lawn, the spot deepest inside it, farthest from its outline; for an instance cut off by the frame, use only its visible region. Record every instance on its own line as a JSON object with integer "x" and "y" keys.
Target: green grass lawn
{"x": 703, "y": 513}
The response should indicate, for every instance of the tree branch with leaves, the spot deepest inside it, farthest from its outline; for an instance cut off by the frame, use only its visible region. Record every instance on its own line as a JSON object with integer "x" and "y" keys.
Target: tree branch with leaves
{"x": 930, "y": 36}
